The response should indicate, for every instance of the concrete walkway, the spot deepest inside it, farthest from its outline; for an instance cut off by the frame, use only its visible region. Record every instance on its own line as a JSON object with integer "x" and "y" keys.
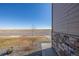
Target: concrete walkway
{"x": 45, "y": 52}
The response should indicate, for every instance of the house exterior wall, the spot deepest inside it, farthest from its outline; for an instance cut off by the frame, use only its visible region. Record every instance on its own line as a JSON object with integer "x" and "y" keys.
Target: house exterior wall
{"x": 66, "y": 18}
{"x": 66, "y": 28}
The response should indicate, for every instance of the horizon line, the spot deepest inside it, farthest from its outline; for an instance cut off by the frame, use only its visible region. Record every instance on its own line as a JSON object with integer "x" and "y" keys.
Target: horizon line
{"x": 25, "y": 28}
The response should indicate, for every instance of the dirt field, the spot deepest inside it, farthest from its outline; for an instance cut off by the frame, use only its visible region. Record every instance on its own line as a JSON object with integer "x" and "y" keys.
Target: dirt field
{"x": 21, "y": 43}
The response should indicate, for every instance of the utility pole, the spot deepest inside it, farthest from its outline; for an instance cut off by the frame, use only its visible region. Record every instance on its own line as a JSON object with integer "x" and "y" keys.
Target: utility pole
{"x": 33, "y": 34}
{"x": 33, "y": 28}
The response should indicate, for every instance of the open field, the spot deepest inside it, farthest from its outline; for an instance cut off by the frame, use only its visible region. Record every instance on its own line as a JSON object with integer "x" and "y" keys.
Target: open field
{"x": 24, "y": 43}
{"x": 27, "y": 32}
{"x": 10, "y": 41}
{"x": 21, "y": 44}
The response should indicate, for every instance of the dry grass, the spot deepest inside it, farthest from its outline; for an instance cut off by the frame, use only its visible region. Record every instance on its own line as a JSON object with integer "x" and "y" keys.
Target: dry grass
{"x": 24, "y": 41}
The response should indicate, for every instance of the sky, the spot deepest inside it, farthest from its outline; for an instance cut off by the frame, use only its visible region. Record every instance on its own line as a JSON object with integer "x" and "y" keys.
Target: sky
{"x": 25, "y": 16}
